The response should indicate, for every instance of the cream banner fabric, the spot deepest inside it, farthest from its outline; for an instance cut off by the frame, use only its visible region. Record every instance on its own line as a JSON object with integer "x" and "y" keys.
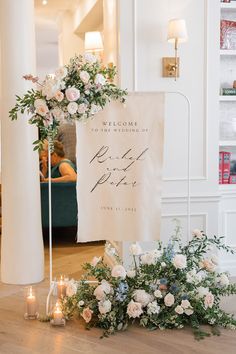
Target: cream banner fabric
{"x": 119, "y": 162}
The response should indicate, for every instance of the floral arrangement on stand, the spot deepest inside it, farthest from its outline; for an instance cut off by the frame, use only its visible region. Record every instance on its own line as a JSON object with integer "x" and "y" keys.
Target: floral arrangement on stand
{"x": 171, "y": 286}
{"x": 75, "y": 92}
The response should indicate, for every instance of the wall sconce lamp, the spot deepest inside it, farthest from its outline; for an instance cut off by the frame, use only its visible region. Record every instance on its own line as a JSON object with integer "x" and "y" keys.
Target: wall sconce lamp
{"x": 177, "y": 33}
{"x": 93, "y": 42}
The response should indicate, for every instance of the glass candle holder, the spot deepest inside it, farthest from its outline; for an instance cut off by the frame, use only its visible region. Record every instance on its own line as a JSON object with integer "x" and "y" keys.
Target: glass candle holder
{"x": 61, "y": 287}
{"x": 31, "y": 304}
{"x": 57, "y": 316}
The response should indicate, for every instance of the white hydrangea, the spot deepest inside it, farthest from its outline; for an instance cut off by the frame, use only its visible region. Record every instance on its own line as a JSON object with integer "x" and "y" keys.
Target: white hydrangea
{"x": 153, "y": 308}
{"x": 151, "y": 257}
{"x": 142, "y": 297}
{"x": 131, "y": 273}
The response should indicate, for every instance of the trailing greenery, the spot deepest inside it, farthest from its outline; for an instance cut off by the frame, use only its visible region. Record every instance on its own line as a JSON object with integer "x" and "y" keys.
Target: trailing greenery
{"x": 172, "y": 286}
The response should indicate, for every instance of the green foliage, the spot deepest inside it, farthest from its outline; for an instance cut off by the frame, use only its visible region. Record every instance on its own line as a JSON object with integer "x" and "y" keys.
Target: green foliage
{"x": 93, "y": 96}
{"x": 157, "y": 274}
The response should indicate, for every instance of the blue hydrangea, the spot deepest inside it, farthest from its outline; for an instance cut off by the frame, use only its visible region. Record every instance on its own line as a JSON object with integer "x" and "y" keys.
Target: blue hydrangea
{"x": 184, "y": 297}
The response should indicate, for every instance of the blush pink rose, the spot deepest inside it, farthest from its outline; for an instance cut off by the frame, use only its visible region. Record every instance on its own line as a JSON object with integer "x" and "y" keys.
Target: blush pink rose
{"x": 87, "y": 314}
{"x": 72, "y": 94}
{"x": 209, "y": 300}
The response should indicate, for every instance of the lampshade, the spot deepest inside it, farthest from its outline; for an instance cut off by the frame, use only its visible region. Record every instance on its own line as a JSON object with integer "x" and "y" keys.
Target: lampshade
{"x": 93, "y": 42}
{"x": 177, "y": 30}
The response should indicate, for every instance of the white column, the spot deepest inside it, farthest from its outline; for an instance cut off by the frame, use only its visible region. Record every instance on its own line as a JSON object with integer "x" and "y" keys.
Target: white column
{"x": 22, "y": 256}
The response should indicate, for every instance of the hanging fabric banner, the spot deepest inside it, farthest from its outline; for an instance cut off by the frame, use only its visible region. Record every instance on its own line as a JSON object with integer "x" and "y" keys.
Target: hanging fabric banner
{"x": 119, "y": 163}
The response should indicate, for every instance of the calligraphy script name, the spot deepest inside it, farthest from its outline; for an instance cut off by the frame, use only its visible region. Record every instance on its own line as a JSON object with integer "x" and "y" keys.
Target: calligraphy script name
{"x": 103, "y": 155}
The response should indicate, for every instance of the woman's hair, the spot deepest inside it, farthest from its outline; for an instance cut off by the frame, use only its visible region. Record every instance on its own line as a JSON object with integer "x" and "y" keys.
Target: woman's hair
{"x": 58, "y": 148}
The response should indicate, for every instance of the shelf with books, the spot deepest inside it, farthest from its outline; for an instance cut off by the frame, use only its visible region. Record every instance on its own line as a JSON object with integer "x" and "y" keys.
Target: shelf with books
{"x": 229, "y": 98}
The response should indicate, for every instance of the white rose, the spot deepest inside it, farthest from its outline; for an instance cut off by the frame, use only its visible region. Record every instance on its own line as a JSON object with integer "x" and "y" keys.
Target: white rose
{"x": 142, "y": 297}
{"x": 104, "y": 306}
{"x": 100, "y": 79}
{"x": 163, "y": 264}
{"x": 61, "y": 72}
{"x": 71, "y": 288}
{"x": 82, "y": 108}
{"x": 84, "y": 75}
{"x": 223, "y": 280}
{"x": 39, "y": 102}
{"x": 90, "y": 58}
{"x": 158, "y": 294}
{"x": 134, "y": 309}
{"x": 72, "y": 107}
{"x": 72, "y": 94}
{"x": 131, "y": 273}
{"x": 179, "y": 310}
{"x": 202, "y": 291}
{"x": 42, "y": 110}
{"x": 185, "y": 304}
{"x": 95, "y": 261}
{"x": 189, "y": 311}
{"x": 135, "y": 249}
{"x": 99, "y": 293}
{"x": 95, "y": 108}
{"x": 169, "y": 299}
{"x": 180, "y": 261}
{"x": 118, "y": 271}
{"x": 197, "y": 233}
{"x": 153, "y": 308}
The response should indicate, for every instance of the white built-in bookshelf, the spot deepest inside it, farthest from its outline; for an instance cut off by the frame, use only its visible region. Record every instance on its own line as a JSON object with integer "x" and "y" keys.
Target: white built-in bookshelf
{"x": 227, "y": 140}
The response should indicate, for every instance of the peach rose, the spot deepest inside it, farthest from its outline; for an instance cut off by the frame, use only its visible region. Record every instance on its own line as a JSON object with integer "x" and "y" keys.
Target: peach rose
{"x": 87, "y": 314}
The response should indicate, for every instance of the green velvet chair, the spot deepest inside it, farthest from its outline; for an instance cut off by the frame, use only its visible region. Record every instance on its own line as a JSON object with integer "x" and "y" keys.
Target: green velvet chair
{"x": 64, "y": 204}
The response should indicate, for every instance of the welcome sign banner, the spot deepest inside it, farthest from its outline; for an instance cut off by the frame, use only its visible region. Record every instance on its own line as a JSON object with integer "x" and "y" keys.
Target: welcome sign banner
{"x": 119, "y": 163}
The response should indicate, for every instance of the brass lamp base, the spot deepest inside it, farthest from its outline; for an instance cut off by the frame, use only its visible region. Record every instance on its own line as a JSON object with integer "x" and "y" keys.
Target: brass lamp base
{"x": 170, "y": 67}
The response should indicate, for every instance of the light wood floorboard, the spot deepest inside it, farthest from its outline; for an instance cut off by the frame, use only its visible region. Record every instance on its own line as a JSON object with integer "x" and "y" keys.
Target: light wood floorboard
{"x": 18, "y": 336}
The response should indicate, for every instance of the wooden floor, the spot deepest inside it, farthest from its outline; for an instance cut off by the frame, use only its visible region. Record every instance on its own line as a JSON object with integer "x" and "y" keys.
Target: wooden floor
{"x": 18, "y": 336}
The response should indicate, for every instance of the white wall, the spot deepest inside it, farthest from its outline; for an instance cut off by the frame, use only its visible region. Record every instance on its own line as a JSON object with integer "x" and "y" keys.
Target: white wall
{"x": 142, "y": 39}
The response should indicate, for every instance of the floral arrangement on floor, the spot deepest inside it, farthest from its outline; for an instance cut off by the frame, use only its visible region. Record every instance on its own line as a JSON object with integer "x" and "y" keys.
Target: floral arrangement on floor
{"x": 171, "y": 286}
{"x": 75, "y": 92}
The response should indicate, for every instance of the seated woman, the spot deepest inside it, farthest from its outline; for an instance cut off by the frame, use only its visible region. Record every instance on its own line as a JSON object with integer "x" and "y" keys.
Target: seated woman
{"x": 63, "y": 170}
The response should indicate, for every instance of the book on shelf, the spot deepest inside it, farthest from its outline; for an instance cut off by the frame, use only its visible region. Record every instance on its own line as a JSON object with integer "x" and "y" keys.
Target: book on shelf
{"x": 227, "y": 35}
{"x": 228, "y": 91}
{"x": 232, "y": 179}
{"x": 224, "y": 167}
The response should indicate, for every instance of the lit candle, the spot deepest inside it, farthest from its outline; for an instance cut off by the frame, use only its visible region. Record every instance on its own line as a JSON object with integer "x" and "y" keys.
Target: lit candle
{"x": 58, "y": 315}
{"x": 61, "y": 288}
{"x": 31, "y": 303}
